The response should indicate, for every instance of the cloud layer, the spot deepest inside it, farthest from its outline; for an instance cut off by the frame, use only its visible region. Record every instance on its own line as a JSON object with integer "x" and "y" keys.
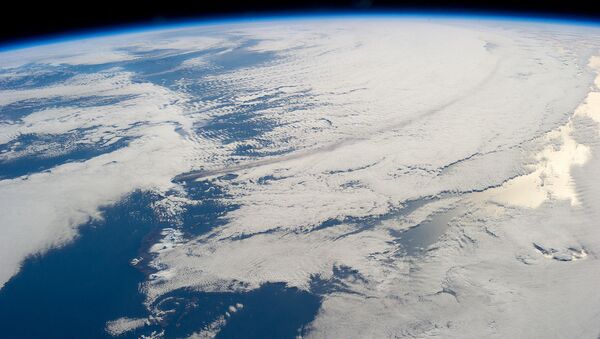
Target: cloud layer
{"x": 343, "y": 136}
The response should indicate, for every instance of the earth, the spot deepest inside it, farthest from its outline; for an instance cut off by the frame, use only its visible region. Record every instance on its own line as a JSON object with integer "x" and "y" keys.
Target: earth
{"x": 335, "y": 176}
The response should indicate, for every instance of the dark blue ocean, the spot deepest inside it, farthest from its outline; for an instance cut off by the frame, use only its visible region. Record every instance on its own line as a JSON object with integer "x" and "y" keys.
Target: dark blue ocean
{"x": 73, "y": 291}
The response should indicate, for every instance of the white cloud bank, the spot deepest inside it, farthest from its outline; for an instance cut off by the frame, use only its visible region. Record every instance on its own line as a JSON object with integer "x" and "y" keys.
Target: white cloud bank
{"x": 467, "y": 110}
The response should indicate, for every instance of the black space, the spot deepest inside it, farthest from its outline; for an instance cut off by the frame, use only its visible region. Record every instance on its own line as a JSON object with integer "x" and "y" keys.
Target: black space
{"x": 31, "y": 20}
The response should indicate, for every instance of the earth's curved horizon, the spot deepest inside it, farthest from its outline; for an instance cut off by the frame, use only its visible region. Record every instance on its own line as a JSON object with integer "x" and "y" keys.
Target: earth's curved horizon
{"x": 333, "y": 175}
{"x": 173, "y": 24}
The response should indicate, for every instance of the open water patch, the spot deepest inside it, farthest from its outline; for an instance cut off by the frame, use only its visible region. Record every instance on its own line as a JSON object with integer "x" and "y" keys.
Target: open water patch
{"x": 271, "y": 311}
{"x": 71, "y": 292}
{"x": 41, "y": 152}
